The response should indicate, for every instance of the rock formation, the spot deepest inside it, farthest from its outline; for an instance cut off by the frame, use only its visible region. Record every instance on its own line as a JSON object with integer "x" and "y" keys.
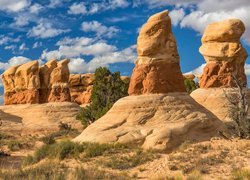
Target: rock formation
{"x": 225, "y": 57}
{"x": 157, "y": 68}
{"x": 224, "y": 54}
{"x": 81, "y": 86}
{"x": 29, "y": 83}
{"x": 158, "y": 113}
{"x": 59, "y": 79}
{"x": 21, "y": 84}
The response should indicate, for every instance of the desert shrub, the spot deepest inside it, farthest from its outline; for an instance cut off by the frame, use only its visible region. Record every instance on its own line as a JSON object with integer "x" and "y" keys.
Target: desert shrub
{"x": 107, "y": 89}
{"x": 66, "y": 149}
{"x": 190, "y": 85}
{"x": 48, "y": 139}
{"x": 15, "y": 145}
{"x": 129, "y": 161}
{"x": 239, "y": 109}
{"x": 241, "y": 174}
{"x": 55, "y": 171}
{"x": 64, "y": 126}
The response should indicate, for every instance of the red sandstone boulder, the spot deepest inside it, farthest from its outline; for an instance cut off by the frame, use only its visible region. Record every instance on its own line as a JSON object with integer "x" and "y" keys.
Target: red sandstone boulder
{"x": 157, "y": 68}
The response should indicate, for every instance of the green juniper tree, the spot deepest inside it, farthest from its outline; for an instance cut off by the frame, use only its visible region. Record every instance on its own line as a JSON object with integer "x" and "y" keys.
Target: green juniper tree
{"x": 107, "y": 89}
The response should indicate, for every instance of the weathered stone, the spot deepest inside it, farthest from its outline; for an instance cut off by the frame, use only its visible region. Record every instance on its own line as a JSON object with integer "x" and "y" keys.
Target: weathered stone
{"x": 158, "y": 113}
{"x": 21, "y": 84}
{"x": 224, "y": 54}
{"x": 81, "y": 86}
{"x": 157, "y": 68}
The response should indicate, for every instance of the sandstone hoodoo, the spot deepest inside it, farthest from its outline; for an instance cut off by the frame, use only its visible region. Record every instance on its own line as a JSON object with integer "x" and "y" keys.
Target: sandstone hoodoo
{"x": 158, "y": 113}
{"x": 225, "y": 57}
{"x": 224, "y": 54}
{"x": 21, "y": 84}
{"x": 81, "y": 86}
{"x": 157, "y": 68}
{"x": 29, "y": 83}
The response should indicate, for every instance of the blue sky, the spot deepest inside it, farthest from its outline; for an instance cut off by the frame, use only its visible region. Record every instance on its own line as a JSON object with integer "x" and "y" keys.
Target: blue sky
{"x": 103, "y": 33}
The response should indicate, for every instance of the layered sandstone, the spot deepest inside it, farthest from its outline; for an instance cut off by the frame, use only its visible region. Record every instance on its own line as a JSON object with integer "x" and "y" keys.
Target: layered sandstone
{"x": 21, "y": 84}
{"x": 157, "y": 68}
{"x": 81, "y": 86}
{"x": 29, "y": 83}
{"x": 225, "y": 57}
{"x": 158, "y": 113}
{"x": 224, "y": 54}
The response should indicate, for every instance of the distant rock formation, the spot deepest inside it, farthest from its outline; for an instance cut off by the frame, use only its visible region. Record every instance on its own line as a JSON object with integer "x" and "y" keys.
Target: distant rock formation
{"x": 81, "y": 86}
{"x": 158, "y": 113}
{"x": 21, "y": 84}
{"x": 224, "y": 54}
{"x": 29, "y": 83}
{"x": 225, "y": 57}
{"x": 157, "y": 68}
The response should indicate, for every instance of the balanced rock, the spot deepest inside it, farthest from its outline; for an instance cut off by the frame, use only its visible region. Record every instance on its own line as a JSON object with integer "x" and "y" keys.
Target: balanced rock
{"x": 225, "y": 57}
{"x": 157, "y": 68}
{"x": 81, "y": 86}
{"x": 153, "y": 116}
{"x": 224, "y": 54}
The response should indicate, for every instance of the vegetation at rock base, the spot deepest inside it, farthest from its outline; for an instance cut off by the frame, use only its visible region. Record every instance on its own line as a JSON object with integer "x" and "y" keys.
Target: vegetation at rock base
{"x": 56, "y": 171}
{"x": 119, "y": 156}
{"x": 107, "y": 89}
{"x": 190, "y": 85}
{"x": 239, "y": 109}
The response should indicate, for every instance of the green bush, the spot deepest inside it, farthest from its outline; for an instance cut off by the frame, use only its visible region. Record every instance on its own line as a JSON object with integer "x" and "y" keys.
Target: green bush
{"x": 190, "y": 85}
{"x": 15, "y": 145}
{"x": 48, "y": 139}
{"x": 107, "y": 89}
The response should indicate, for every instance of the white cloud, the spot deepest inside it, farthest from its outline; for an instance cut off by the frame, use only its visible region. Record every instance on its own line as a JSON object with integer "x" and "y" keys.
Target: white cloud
{"x": 103, "y": 54}
{"x": 176, "y": 16}
{"x": 23, "y": 47}
{"x": 10, "y": 47}
{"x": 51, "y": 55}
{"x": 7, "y": 40}
{"x": 99, "y": 29}
{"x": 14, "y": 5}
{"x": 97, "y": 7}
{"x": 55, "y": 3}
{"x": 37, "y": 45}
{"x": 77, "y": 9}
{"x": 79, "y": 65}
{"x": 14, "y": 61}
{"x": 45, "y": 30}
{"x": 35, "y": 8}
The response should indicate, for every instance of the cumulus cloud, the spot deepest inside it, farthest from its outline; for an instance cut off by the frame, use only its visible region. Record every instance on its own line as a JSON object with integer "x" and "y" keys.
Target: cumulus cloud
{"x": 51, "y": 55}
{"x": 13, "y": 5}
{"x": 77, "y": 8}
{"x": 99, "y": 29}
{"x": 23, "y": 47}
{"x": 96, "y": 7}
{"x": 14, "y": 61}
{"x": 176, "y": 16}
{"x": 45, "y": 30}
{"x": 79, "y": 65}
{"x": 102, "y": 54}
{"x": 199, "y": 13}
{"x": 35, "y": 8}
{"x": 37, "y": 45}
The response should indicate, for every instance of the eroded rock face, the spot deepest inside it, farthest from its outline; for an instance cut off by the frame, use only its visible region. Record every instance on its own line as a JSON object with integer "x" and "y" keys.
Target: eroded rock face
{"x": 224, "y": 54}
{"x": 81, "y": 86}
{"x": 29, "y": 83}
{"x": 157, "y": 68}
{"x": 21, "y": 84}
{"x": 59, "y": 79}
{"x": 159, "y": 121}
